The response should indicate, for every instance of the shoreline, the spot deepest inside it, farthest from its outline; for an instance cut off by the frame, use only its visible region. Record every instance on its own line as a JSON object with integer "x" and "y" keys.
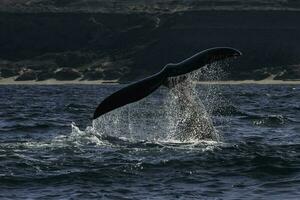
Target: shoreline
{"x": 11, "y": 81}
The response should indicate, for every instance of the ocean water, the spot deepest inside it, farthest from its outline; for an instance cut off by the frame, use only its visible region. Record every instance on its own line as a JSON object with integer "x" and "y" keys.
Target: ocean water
{"x": 240, "y": 142}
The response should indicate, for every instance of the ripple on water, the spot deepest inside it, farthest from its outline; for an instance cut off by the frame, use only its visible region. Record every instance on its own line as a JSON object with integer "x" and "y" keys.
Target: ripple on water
{"x": 41, "y": 156}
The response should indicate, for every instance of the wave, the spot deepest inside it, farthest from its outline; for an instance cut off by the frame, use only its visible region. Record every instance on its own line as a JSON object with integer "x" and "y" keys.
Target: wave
{"x": 267, "y": 120}
{"x": 29, "y": 126}
{"x": 85, "y": 155}
{"x": 92, "y": 135}
{"x": 227, "y": 110}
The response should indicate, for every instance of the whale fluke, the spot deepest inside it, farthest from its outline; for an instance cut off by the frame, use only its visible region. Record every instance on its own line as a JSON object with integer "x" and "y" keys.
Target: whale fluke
{"x": 145, "y": 87}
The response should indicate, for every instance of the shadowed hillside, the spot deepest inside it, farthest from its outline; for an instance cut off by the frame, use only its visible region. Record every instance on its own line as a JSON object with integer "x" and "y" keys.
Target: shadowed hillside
{"x": 142, "y": 6}
{"x": 128, "y": 46}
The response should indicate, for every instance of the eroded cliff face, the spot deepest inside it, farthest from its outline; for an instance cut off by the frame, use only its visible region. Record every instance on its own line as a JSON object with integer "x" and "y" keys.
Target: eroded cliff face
{"x": 128, "y": 46}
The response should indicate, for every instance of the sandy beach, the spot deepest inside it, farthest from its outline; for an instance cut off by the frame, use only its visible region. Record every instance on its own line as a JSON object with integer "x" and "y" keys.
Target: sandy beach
{"x": 11, "y": 81}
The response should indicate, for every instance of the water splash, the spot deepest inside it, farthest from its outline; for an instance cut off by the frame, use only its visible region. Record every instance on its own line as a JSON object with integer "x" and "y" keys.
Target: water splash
{"x": 187, "y": 116}
{"x": 175, "y": 115}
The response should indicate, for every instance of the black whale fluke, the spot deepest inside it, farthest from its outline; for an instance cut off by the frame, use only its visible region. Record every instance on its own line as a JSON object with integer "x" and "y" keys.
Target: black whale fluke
{"x": 144, "y": 87}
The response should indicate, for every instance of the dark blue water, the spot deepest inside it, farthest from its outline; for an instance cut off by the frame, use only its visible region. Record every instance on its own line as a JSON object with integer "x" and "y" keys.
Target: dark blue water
{"x": 44, "y": 156}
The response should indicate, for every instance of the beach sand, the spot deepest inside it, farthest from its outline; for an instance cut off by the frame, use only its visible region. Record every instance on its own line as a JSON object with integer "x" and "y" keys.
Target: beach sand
{"x": 11, "y": 81}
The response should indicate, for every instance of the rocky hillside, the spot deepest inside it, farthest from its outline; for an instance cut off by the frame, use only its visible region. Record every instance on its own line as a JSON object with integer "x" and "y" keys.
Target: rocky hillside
{"x": 128, "y": 46}
{"x": 142, "y": 6}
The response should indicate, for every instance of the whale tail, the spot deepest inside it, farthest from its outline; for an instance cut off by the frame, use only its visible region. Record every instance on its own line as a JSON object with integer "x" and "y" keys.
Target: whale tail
{"x": 140, "y": 89}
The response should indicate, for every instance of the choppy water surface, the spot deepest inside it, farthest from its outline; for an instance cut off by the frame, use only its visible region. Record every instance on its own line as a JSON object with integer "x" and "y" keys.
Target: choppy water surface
{"x": 50, "y": 149}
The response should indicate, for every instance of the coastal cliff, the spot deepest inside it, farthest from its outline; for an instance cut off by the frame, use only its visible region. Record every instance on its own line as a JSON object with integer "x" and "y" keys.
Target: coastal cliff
{"x": 42, "y": 44}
